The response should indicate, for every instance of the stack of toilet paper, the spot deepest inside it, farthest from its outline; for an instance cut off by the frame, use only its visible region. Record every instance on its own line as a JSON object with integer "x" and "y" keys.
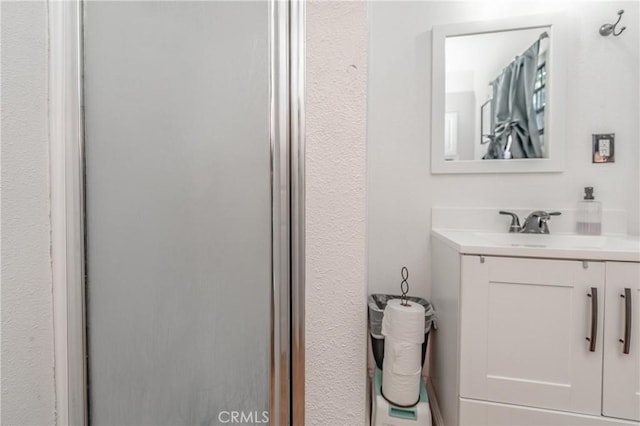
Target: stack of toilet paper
{"x": 403, "y": 331}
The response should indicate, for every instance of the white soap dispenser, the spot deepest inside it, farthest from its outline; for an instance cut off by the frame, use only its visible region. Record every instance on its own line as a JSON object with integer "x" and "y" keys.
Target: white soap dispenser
{"x": 589, "y": 214}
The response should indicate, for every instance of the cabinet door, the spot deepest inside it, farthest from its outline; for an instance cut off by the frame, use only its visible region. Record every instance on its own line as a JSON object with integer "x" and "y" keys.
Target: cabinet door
{"x": 621, "y": 379}
{"x": 524, "y": 330}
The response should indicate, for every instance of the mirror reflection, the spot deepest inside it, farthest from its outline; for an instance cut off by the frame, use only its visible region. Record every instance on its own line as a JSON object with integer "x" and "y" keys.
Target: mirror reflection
{"x": 495, "y": 95}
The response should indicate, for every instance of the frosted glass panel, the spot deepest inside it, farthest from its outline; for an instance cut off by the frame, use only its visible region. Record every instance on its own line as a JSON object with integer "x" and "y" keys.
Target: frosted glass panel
{"x": 178, "y": 211}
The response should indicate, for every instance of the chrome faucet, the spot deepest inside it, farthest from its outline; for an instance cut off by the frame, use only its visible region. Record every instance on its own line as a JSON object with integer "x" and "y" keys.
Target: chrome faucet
{"x": 535, "y": 223}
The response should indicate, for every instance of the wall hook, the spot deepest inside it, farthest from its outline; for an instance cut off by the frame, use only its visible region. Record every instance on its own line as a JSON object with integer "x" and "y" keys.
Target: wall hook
{"x": 608, "y": 29}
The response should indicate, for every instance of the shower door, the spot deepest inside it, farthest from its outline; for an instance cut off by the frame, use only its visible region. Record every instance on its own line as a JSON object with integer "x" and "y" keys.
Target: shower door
{"x": 181, "y": 291}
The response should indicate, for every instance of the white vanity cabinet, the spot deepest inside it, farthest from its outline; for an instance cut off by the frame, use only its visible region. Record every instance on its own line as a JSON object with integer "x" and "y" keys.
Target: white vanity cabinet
{"x": 534, "y": 340}
{"x": 621, "y": 371}
{"x": 524, "y": 329}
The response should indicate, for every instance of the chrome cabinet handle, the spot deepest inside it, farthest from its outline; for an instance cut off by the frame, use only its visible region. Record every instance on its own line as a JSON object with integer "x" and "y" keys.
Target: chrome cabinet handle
{"x": 594, "y": 319}
{"x": 627, "y": 321}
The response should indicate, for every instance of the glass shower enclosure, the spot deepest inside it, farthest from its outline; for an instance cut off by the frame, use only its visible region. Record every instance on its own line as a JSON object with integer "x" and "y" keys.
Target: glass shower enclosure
{"x": 192, "y": 180}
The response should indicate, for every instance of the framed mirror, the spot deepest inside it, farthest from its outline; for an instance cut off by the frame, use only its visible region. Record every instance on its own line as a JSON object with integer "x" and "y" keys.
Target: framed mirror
{"x": 499, "y": 96}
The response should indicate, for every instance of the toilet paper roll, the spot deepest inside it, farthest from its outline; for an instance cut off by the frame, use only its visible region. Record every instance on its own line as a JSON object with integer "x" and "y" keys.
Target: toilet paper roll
{"x": 402, "y": 357}
{"x": 401, "y": 371}
{"x": 404, "y": 323}
{"x": 401, "y": 389}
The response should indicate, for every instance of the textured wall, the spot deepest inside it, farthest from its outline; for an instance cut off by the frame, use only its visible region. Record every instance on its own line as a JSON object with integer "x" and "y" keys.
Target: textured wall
{"x": 602, "y": 97}
{"x": 27, "y": 323}
{"x": 335, "y": 213}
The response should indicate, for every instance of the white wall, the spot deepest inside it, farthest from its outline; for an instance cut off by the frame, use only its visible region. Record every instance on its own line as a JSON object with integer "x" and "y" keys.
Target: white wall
{"x": 335, "y": 213}
{"x": 602, "y": 97}
{"x": 27, "y": 322}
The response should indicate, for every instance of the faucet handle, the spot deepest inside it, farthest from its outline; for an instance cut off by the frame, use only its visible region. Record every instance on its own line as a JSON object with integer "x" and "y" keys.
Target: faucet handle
{"x": 543, "y": 221}
{"x": 544, "y": 216}
{"x": 536, "y": 222}
{"x": 515, "y": 221}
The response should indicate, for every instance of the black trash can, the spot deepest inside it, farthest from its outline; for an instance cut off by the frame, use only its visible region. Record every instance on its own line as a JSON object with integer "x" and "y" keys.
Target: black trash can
{"x": 377, "y": 303}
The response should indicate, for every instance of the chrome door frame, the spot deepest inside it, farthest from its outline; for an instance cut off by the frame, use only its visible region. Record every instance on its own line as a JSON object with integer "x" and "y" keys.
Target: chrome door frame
{"x": 67, "y": 210}
{"x": 287, "y": 70}
{"x": 297, "y": 36}
{"x": 287, "y": 58}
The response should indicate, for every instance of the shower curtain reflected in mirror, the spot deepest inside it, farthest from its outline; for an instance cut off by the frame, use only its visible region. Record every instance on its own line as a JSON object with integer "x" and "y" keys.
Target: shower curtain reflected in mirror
{"x": 515, "y": 133}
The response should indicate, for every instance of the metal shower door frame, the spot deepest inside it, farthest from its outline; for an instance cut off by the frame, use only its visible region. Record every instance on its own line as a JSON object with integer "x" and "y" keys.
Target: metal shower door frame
{"x": 67, "y": 165}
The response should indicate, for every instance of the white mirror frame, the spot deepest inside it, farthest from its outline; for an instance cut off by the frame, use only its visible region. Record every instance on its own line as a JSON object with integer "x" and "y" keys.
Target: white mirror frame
{"x": 556, "y": 96}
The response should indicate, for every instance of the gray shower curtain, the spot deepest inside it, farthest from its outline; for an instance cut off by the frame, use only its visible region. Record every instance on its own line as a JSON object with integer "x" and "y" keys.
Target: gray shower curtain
{"x": 513, "y": 112}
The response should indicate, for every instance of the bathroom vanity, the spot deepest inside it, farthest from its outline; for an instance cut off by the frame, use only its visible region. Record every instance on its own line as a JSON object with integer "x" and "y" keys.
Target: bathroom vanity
{"x": 536, "y": 329}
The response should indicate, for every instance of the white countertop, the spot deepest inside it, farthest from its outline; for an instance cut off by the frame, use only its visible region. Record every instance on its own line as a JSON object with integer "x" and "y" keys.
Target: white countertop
{"x": 560, "y": 246}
